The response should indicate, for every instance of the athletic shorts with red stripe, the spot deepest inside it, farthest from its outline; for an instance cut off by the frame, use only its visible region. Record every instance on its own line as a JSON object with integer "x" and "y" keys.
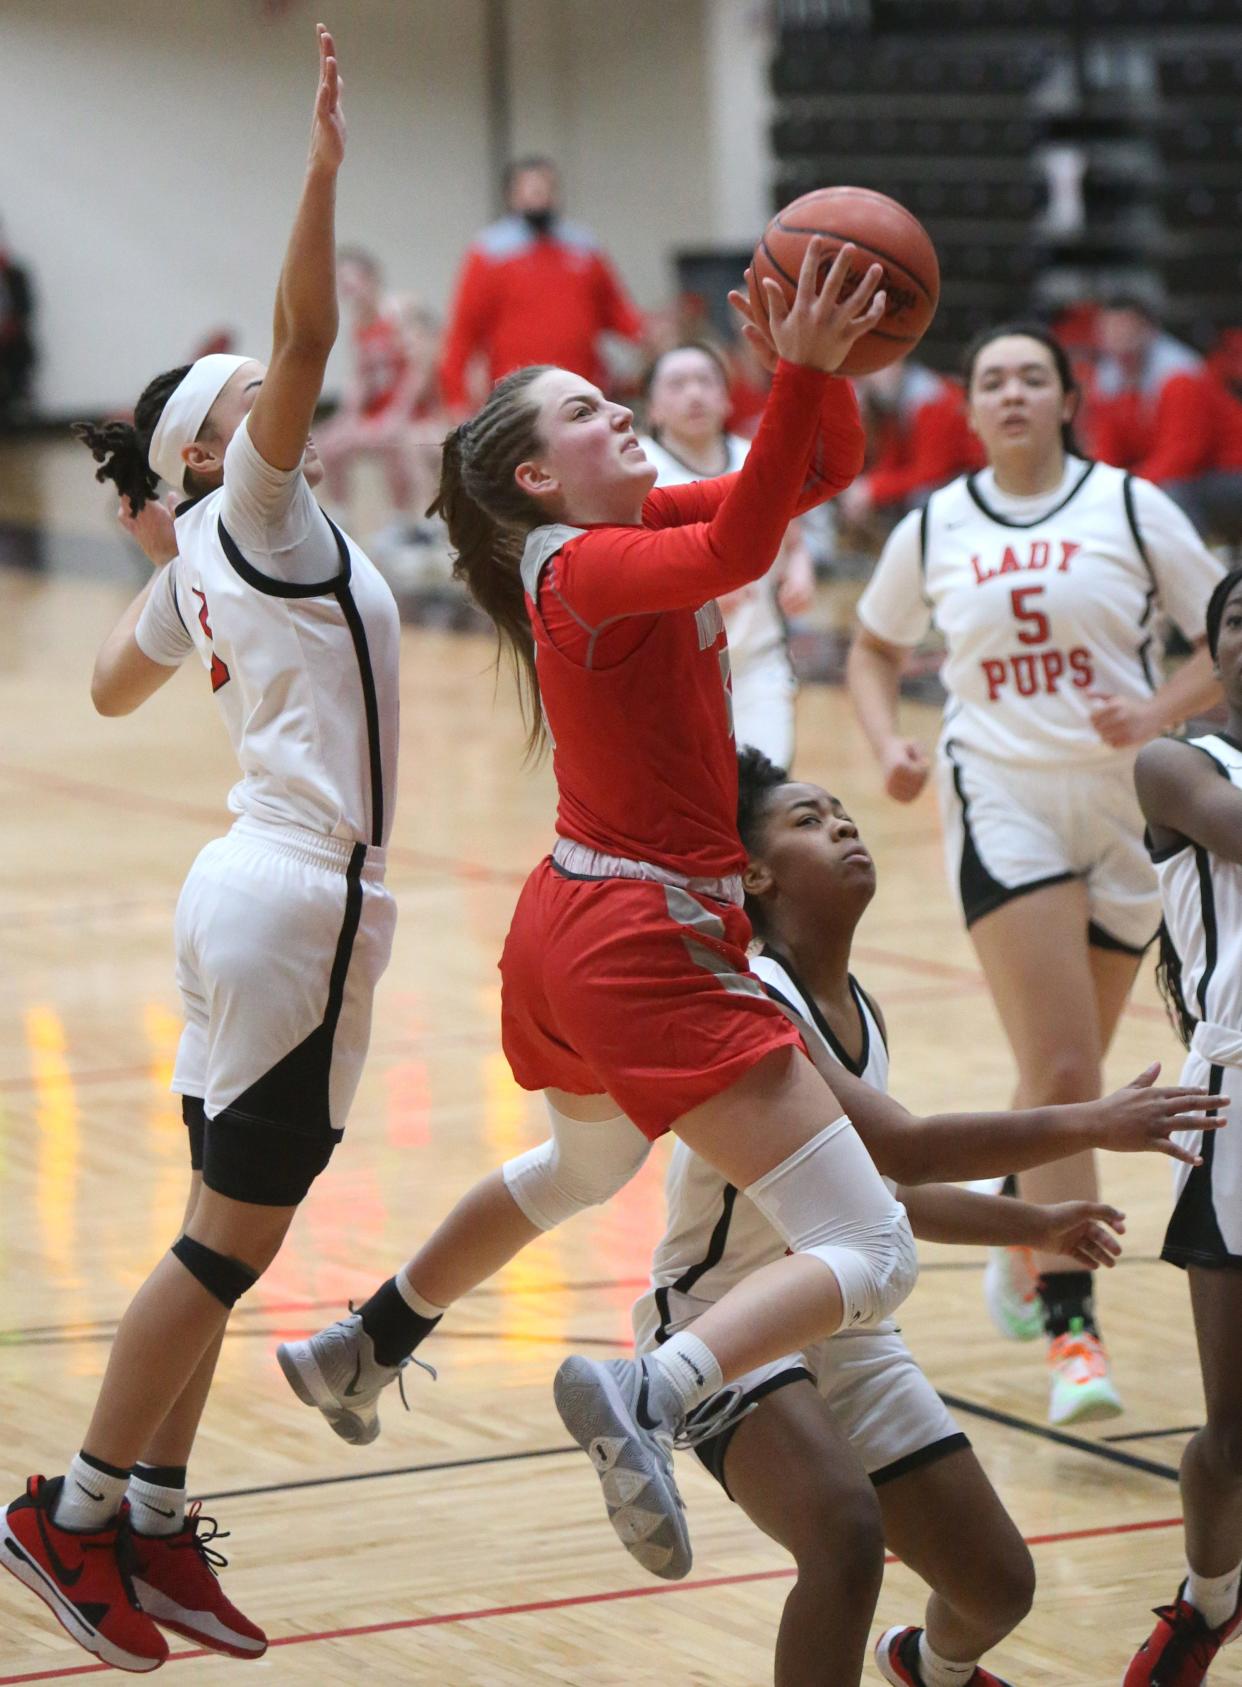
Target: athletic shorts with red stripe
{"x": 632, "y": 988}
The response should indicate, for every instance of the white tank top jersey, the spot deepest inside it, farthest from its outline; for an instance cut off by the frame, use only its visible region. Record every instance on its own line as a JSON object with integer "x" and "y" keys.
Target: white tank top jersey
{"x": 753, "y": 622}
{"x": 1043, "y": 603}
{"x": 1202, "y": 898}
{"x": 300, "y": 635}
{"x": 716, "y": 1236}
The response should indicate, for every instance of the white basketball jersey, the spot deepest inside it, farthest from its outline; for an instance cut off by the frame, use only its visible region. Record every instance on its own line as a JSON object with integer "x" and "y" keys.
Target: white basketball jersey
{"x": 753, "y": 621}
{"x": 716, "y": 1236}
{"x": 1039, "y": 615}
{"x": 1202, "y": 898}
{"x": 305, "y": 677}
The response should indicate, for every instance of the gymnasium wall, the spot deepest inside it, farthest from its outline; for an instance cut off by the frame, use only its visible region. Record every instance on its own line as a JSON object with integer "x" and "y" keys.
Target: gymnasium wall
{"x": 150, "y": 166}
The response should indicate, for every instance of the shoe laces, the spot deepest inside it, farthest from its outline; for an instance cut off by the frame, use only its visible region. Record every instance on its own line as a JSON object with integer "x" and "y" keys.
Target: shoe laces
{"x": 199, "y": 1543}
{"x": 724, "y": 1412}
{"x": 1081, "y": 1346}
{"x": 1192, "y": 1642}
{"x": 410, "y": 1359}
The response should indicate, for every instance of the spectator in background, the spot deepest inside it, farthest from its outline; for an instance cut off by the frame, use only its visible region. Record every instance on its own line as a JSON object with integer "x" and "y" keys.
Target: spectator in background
{"x": 918, "y": 438}
{"x": 17, "y": 351}
{"x": 533, "y": 289}
{"x": 1159, "y": 411}
{"x": 390, "y": 382}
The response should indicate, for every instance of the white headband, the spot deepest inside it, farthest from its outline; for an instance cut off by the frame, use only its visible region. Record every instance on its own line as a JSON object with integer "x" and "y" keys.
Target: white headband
{"x": 186, "y": 411}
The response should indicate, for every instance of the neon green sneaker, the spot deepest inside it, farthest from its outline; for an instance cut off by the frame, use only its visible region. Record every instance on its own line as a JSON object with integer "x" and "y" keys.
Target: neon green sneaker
{"x": 1082, "y": 1388}
{"x": 1011, "y": 1291}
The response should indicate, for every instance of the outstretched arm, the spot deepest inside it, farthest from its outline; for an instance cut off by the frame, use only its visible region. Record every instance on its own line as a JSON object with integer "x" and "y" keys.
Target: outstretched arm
{"x": 305, "y": 322}
{"x": 944, "y": 1212}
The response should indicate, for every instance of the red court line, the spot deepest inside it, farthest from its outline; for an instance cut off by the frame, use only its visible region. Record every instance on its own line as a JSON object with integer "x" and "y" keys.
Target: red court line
{"x": 565, "y": 1604}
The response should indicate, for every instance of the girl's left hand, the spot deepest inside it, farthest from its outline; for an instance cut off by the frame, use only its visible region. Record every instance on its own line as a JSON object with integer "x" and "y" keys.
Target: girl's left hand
{"x": 754, "y": 331}
{"x": 1077, "y": 1228}
{"x": 796, "y": 592}
{"x": 1123, "y": 722}
{"x": 151, "y": 529}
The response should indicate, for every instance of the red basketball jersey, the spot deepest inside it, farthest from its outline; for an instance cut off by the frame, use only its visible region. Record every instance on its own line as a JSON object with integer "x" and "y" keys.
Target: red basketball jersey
{"x": 630, "y": 642}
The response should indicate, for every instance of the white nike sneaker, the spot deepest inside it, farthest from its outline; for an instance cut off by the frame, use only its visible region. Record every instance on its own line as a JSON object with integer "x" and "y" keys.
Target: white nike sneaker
{"x": 337, "y": 1371}
{"x": 1082, "y": 1387}
{"x": 624, "y": 1415}
{"x": 1011, "y": 1293}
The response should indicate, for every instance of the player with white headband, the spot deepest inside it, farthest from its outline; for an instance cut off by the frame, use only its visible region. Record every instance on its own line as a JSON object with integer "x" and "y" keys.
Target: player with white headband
{"x": 282, "y": 930}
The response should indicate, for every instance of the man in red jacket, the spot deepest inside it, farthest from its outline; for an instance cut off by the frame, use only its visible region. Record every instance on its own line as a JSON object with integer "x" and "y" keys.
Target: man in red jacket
{"x": 1159, "y": 411}
{"x": 532, "y": 289}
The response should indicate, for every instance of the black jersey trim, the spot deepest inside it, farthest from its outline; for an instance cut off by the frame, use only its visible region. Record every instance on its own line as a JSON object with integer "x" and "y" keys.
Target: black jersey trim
{"x": 923, "y": 522}
{"x": 1194, "y": 1235}
{"x": 173, "y": 594}
{"x": 189, "y": 503}
{"x": 1004, "y": 521}
{"x": 1207, "y": 901}
{"x": 957, "y": 1442}
{"x": 713, "y": 1451}
{"x": 370, "y": 704}
{"x": 857, "y": 1067}
{"x": 713, "y": 1256}
{"x": 1099, "y": 937}
{"x": 287, "y": 588}
{"x": 979, "y": 892}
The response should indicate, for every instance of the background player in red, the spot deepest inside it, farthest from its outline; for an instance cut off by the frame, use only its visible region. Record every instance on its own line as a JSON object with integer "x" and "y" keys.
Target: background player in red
{"x": 533, "y": 289}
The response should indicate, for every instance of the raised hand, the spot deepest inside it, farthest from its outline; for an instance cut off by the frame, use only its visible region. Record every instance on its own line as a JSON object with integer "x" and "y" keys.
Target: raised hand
{"x": 823, "y": 322}
{"x": 1141, "y": 1118}
{"x": 1077, "y": 1228}
{"x": 327, "y": 145}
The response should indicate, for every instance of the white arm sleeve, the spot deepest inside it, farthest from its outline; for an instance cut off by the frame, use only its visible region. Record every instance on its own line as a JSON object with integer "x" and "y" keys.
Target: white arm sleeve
{"x": 1186, "y": 571}
{"x": 161, "y": 634}
{"x": 894, "y": 606}
{"x": 273, "y": 519}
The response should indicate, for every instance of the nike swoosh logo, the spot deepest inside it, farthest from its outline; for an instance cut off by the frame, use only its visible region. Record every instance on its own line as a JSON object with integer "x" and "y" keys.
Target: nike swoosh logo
{"x": 640, "y": 1411}
{"x": 352, "y": 1386}
{"x": 87, "y": 1491}
{"x": 158, "y": 1509}
{"x": 69, "y": 1578}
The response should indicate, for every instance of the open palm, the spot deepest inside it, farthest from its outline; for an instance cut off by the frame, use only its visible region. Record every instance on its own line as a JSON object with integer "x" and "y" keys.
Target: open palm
{"x": 327, "y": 147}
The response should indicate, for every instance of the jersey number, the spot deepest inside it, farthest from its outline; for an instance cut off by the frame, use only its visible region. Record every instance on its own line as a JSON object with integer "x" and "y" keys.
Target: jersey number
{"x": 219, "y": 672}
{"x": 1034, "y": 625}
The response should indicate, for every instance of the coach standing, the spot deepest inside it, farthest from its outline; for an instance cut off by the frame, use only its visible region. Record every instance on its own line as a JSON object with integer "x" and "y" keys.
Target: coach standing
{"x": 533, "y": 289}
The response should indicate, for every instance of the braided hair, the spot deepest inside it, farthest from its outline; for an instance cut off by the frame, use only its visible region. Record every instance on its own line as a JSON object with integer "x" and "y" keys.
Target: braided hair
{"x": 120, "y": 448}
{"x": 488, "y": 517}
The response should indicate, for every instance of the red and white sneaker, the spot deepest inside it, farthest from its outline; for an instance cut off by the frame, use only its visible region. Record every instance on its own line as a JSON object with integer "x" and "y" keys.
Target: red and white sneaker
{"x": 897, "y": 1659}
{"x": 1180, "y": 1648}
{"x": 176, "y": 1580}
{"x": 83, "y": 1579}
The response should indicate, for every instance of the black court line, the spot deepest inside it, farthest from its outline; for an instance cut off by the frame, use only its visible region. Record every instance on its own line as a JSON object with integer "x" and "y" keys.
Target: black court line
{"x": 1060, "y": 1437}
{"x": 400, "y": 1470}
{"x": 551, "y": 1338}
{"x": 1155, "y": 1434}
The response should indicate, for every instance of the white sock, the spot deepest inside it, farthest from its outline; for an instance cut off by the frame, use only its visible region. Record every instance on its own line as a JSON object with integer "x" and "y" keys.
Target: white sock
{"x": 156, "y": 1508}
{"x": 90, "y": 1497}
{"x": 691, "y": 1369}
{"x": 1214, "y": 1597}
{"x": 939, "y": 1672}
{"x": 415, "y": 1301}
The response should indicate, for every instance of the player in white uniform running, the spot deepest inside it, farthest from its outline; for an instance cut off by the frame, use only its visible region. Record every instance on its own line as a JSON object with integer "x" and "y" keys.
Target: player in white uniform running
{"x": 282, "y": 929}
{"x": 808, "y": 882}
{"x": 1191, "y": 792}
{"x": 1047, "y": 577}
{"x": 687, "y": 402}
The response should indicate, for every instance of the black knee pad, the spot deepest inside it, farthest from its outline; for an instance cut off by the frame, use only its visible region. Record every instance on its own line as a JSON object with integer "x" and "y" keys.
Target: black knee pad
{"x": 269, "y": 1165}
{"x": 226, "y": 1279}
{"x": 195, "y": 1121}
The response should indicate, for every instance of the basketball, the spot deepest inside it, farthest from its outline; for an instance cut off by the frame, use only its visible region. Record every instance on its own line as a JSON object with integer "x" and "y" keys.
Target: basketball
{"x": 885, "y": 233}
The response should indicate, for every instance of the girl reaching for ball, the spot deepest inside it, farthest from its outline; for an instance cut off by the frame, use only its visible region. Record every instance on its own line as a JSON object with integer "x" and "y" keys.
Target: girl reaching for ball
{"x": 1045, "y": 574}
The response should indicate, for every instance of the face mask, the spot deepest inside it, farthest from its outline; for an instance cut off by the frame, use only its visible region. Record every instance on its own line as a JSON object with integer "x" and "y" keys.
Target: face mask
{"x": 539, "y": 222}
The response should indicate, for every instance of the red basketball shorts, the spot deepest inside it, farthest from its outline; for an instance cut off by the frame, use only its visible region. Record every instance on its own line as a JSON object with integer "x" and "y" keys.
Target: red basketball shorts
{"x": 633, "y": 988}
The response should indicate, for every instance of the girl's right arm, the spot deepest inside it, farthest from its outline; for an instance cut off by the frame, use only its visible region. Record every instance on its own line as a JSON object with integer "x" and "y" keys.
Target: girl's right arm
{"x": 617, "y": 571}
{"x": 873, "y": 670}
{"x": 1186, "y": 797}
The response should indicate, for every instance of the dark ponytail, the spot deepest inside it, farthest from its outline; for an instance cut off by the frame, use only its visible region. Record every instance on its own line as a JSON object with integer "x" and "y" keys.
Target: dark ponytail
{"x": 1169, "y": 984}
{"x": 488, "y": 517}
{"x": 120, "y": 448}
{"x": 1030, "y": 330}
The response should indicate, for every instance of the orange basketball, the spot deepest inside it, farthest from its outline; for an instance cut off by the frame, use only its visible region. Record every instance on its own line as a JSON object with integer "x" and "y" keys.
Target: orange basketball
{"x": 885, "y": 233}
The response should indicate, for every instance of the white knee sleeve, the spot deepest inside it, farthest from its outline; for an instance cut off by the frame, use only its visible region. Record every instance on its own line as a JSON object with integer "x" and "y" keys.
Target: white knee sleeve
{"x": 828, "y": 1200}
{"x": 583, "y": 1164}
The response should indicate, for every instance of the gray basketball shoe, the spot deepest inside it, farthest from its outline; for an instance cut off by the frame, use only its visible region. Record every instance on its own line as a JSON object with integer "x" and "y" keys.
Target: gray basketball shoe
{"x": 337, "y": 1371}
{"x": 625, "y": 1416}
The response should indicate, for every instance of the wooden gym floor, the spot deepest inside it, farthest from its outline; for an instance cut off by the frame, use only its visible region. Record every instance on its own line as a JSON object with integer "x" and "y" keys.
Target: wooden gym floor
{"x": 467, "y": 1547}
